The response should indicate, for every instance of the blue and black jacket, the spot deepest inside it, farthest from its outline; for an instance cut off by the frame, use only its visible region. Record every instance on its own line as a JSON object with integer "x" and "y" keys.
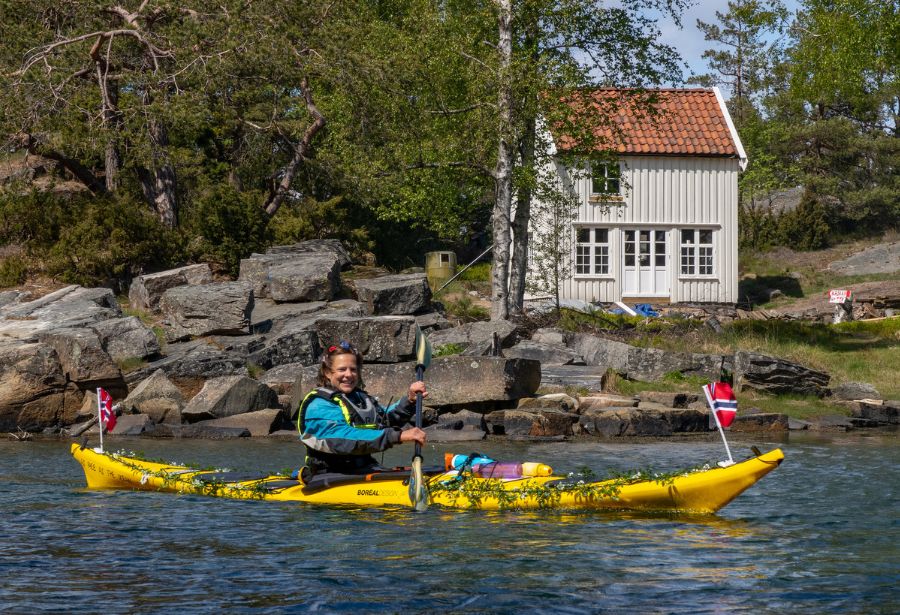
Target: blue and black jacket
{"x": 342, "y": 431}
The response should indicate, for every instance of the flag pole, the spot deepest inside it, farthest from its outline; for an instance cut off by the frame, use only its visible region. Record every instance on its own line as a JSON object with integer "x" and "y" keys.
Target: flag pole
{"x": 712, "y": 409}
{"x": 100, "y": 419}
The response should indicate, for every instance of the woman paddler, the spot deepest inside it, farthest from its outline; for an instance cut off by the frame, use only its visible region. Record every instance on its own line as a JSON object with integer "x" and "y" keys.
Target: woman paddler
{"x": 342, "y": 425}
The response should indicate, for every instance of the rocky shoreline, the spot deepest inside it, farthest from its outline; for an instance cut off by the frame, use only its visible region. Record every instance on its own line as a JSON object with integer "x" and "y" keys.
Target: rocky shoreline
{"x": 230, "y": 359}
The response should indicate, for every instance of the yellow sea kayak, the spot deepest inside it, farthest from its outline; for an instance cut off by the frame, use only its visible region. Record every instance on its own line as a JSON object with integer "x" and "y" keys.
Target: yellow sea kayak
{"x": 698, "y": 491}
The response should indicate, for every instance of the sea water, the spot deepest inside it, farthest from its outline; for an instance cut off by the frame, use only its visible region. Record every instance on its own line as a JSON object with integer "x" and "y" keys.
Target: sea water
{"x": 818, "y": 535}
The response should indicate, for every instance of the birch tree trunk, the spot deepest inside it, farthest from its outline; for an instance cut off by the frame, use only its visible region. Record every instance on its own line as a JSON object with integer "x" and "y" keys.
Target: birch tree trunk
{"x": 503, "y": 169}
{"x": 519, "y": 267}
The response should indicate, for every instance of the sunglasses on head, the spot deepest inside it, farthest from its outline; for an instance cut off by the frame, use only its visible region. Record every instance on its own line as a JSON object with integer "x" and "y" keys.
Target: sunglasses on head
{"x": 341, "y": 344}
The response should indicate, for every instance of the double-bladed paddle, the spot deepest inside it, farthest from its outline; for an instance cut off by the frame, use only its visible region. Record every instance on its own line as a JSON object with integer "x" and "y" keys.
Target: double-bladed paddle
{"x": 418, "y": 493}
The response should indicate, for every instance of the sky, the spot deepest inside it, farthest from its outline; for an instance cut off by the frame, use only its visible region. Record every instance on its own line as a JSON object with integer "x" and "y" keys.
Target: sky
{"x": 689, "y": 41}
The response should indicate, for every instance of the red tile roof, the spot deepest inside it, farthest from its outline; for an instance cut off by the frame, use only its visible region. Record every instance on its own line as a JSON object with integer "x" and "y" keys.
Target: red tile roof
{"x": 685, "y": 122}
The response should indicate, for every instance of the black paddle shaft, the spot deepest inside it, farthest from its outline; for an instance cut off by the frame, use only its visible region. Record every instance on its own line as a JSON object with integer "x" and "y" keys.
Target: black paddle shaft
{"x": 420, "y": 374}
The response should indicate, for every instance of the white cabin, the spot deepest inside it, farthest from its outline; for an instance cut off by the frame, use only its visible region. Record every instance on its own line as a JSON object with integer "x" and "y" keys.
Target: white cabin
{"x": 660, "y": 223}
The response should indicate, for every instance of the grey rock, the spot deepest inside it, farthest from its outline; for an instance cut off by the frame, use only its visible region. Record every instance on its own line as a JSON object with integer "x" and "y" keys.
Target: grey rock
{"x": 381, "y": 339}
{"x": 191, "y": 360}
{"x": 555, "y": 337}
{"x": 126, "y": 338}
{"x": 605, "y": 400}
{"x": 282, "y": 377}
{"x": 83, "y": 359}
{"x": 832, "y": 423}
{"x": 227, "y": 396}
{"x": 452, "y": 381}
{"x": 773, "y": 375}
{"x": 32, "y": 386}
{"x": 887, "y": 413}
{"x": 590, "y": 377}
{"x": 156, "y": 397}
{"x": 310, "y": 278}
{"x": 258, "y": 423}
{"x": 9, "y": 297}
{"x": 130, "y": 425}
{"x": 536, "y": 422}
{"x": 764, "y": 421}
{"x": 464, "y": 419}
{"x": 560, "y": 401}
{"x": 476, "y": 337}
{"x": 620, "y": 422}
{"x": 668, "y": 399}
{"x": 547, "y": 354}
{"x": 393, "y": 294}
{"x": 286, "y": 347}
{"x": 647, "y": 364}
{"x": 206, "y": 432}
{"x": 146, "y": 290}
{"x": 797, "y": 424}
{"x": 850, "y": 391}
{"x": 883, "y": 258}
{"x": 333, "y": 247}
{"x": 432, "y": 321}
{"x": 69, "y": 307}
{"x": 207, "y": 309}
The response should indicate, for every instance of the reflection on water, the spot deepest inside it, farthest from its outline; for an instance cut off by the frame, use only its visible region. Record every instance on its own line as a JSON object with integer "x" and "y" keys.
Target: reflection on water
{"x": 820, "y": 534}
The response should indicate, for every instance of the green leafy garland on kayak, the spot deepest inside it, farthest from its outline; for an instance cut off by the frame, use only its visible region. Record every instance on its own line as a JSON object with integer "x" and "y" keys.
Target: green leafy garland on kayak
{"x": 583, "y": 485}
{"x": 191, "y": 480}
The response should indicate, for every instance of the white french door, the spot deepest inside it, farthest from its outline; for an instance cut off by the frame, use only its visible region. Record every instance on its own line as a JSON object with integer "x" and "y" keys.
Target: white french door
{"x": 645, "y": 261}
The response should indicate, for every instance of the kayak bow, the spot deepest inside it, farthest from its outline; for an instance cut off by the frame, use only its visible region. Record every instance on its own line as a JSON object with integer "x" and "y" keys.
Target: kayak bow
{"x": 703, "y": 491}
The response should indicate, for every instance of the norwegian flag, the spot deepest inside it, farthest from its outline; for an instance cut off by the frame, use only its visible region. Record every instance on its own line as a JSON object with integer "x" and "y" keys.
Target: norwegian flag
{"x": 105, "y": 407}
{"x": 722, "y": 402}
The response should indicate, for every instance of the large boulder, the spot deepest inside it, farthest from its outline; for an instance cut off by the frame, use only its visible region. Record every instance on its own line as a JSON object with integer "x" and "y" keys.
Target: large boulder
{"x": 588, "y": 377}
{"x": 476, "y": 338}
{"x": 381, "y": 339}
{"x": 291, "y": 345}
{"x": 69, "y": 307}
{"x": 306, "y": 271}
{"x": 547, "y": 354}
{"x": 533, "y": 422}
{"x": 227, "y": 396}
{"x": 207, "y": 309}
{"x": 127, "y": 338}
{"x": 451, "y": 381}
{"x": 156, "y": 397}
{"x": 393, "y": 294}
{"x": 776, "y": 376}
{"x": 192, "y": 360}
{"x": 850, "y": 391}
{"x": 32, "y": 387}
{"x": 84, "y": 361}
{"x": 884, "y": 413}
{"x": 282, "y": 377}
{"x": 312, "y": 277}
{"x": 146, "y": 290}
{"x": 258, "y": 422}
{"x": 647, "y": 364}
{"x": 653, "y": 422}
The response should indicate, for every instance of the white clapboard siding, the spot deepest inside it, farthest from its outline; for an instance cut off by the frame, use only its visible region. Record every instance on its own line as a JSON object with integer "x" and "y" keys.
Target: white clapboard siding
{"x": 671, "y": 193}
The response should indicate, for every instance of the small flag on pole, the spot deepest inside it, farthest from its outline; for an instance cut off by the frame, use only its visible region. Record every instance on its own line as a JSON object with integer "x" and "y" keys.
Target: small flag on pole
{"x": 723, "y": 405}
{"x": 107, "y": 413}
{"x": 722, "y": 402}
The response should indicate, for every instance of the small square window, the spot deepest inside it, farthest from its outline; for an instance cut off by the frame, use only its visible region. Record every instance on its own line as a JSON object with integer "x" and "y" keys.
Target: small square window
{"x": 605, "y": 178}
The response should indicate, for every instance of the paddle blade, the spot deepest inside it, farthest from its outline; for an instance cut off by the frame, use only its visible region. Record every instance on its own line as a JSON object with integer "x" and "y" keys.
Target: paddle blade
{"x": 418, "y": 492}
{"x": 423, "y": 349}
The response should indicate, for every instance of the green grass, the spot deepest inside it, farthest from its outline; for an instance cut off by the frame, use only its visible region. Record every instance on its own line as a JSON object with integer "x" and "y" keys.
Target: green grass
{"x": 130, "y": 364}
{"x": 480, "y": 272}
{"x": 447, "y": 350}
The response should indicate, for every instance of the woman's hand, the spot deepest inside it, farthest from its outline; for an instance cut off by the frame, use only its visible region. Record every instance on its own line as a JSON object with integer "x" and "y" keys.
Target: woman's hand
{"x": 416, "y": 387}
{"x": 413, "y": 434}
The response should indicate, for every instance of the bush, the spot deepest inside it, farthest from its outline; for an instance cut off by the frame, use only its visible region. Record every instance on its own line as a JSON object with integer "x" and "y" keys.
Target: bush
{"x": 225, "y": 226}
{"x": 13, "y": 271}
{"x": 110, "y": 239}
{"x": 806, "y": 227}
